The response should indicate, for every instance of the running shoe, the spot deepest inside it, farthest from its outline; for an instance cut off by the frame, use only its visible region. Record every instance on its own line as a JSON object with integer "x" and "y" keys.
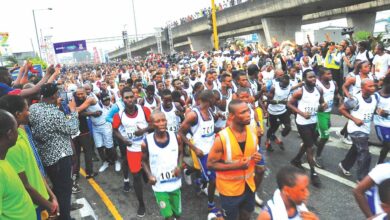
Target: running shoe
{"x": 76, "y": 188}
{"x": 297, "y": 163}
{"x": 92, "y": 175}
{"x": 141, "y": 211}
{"x": 187, "y": 177}
{"x": 268, "y": 146}
{"x": 315, "y": 180}
{"x": 103, "y": 167}
{"x": 343, "y": 170}
{"x": 347, "y": 140}
{"x": 117, "y": 166}
{"x": 259, "y": 201}
{"x": 126, "y": 187}
{"x": 318, "y": 162}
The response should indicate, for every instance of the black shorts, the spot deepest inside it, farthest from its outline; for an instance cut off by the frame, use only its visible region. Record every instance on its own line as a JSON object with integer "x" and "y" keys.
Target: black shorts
{"x": 231, "y": 205}
{"x": 308, "y": 134}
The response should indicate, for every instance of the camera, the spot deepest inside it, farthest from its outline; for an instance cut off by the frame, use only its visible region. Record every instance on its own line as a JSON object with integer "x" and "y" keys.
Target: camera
{"x": 348, "y": 30}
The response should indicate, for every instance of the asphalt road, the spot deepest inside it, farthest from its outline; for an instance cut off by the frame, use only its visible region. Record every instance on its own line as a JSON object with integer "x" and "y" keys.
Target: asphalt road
{"x": 334, "y": 200}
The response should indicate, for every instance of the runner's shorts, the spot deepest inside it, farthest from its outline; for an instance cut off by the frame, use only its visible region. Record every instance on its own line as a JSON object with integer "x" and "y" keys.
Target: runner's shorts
{"x": 323, "y": 124}
{"x": 383, "y": 133}
{"x": 134, "y": 160}
{"x": 102, "y": 135}
{"x": 208, "y": 175}
{"x": 169, "y": 203}
{"x": 232, "y": 204}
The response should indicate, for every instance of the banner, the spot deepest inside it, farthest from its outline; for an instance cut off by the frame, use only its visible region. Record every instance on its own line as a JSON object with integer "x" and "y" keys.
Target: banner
{"x": 70, "y": 46}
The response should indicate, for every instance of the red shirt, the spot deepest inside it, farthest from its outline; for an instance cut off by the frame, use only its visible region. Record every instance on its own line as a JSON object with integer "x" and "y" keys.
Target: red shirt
{"x": 116, "y": 122}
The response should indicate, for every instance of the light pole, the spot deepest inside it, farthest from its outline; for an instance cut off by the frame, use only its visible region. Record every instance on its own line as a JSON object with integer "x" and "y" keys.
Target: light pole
{"x": 135, "y": 22}
{"x": 36, "y": 30}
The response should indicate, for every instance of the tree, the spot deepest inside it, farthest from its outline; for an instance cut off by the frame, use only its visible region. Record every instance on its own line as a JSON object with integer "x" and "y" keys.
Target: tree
{"x": 38, "y": 61}
{"x": 362, "y": 35}
{"x": 12, "y": 60}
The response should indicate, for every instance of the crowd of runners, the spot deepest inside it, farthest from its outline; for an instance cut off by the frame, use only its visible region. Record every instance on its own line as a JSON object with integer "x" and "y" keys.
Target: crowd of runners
{"x": 200, "y": 117}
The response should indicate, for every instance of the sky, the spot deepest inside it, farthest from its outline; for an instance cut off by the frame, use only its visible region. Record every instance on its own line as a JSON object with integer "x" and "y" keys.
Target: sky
{"x": 86, "y": 19}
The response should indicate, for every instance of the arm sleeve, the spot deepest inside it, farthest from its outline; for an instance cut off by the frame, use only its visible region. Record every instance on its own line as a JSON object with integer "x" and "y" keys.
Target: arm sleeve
{"x": 113, "y": 110}
{"x": 116, "y": 121}
{"x": 380, "y": 173}
{"x": 15, "y": 157}
{"x": 147, "y": 113}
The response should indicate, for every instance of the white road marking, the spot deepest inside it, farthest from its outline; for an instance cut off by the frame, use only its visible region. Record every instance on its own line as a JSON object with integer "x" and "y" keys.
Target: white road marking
{"x": 86, "y": 210}
{"x": 338, "y": 142}
{"x": 332, "y": 176}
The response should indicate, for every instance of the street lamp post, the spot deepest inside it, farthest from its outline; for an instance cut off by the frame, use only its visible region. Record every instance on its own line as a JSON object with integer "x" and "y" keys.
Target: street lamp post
{"x": 135, "y": 22}
{"x": 36, "y": 30}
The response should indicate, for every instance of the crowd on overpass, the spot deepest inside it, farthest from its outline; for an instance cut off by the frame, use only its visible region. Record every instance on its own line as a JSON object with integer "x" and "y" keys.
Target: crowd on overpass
{"x": 206, "y": 12}
{"x": 143, "y": 116}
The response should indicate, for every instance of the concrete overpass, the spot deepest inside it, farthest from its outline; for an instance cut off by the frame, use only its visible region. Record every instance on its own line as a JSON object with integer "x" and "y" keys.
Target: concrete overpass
{"x": 268, "y": 18}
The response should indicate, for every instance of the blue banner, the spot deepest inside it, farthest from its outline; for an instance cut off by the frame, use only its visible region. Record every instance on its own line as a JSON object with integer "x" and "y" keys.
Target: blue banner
{"x": 70, "y": 46}
{"x": 37, "y": 67}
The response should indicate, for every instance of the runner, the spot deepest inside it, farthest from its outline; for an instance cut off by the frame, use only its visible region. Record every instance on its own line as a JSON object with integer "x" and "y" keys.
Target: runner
{"x": 366, "y": 192}
{"x": 359, "y": 111}
{"x": 306, "y": 102}
{"x": 150, "y": 101}
{"x": 161, "y": 159}
{"x": 172, "y": 110}
{"x": 382, "y": 119}
{"x": 288, "y": 201}
{"x": 133, "y": 121}
{"x": 277, "y": 111}
{"x": 233, "y": 157}
{"x": 15, "y": 201}
{"x": 200, "y": 123}
{"x": 329, "y": 89}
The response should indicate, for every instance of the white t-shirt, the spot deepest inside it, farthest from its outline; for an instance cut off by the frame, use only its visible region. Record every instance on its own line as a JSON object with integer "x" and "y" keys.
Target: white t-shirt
{"x": 378, "y": 174}
{"x": 363, "y": 56}
{"x": 382, "y": 64}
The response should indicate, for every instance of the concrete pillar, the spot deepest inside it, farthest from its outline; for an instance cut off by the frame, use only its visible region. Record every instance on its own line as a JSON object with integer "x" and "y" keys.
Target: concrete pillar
{"x": 200, "y": 42}
{"x": 364, "y": 21}
{"x": 282, "y": 28}
{"x": 262, "y": 38}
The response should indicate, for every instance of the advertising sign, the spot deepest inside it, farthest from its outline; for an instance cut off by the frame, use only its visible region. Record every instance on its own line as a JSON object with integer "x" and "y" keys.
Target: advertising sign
{"x": 70, "y": 46}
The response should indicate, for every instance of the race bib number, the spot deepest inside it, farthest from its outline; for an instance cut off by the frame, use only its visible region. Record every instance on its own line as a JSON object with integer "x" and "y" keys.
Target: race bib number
{"x": 367, "y": 117}
{"x": 311, "y": 110}
{"x": 208, "y": 131}
{"x": 166, "y": 175}
{"x": 173, "y": 128}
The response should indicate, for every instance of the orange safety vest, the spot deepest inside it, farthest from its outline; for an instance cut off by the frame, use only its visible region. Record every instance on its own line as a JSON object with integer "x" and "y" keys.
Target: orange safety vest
{"x": 232, "y": 182}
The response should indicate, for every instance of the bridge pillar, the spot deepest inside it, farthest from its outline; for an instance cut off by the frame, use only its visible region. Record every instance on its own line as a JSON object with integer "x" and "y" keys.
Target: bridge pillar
{"x": 282, "y": 28}
{"x": 200, "y": 42}
{"x": 262, "y": 38}
{"x": 364, "y": 21}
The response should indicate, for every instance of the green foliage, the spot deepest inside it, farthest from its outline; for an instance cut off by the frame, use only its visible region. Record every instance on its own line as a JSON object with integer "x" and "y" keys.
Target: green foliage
{"x": 11, "y": 60}
{"x": 362, "y": 35}
{"x": 37, "y": 60}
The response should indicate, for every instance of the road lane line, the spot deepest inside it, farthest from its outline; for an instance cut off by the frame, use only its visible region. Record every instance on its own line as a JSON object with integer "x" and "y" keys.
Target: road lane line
{"x": 332, "y": 176}
{"x": 111, "y": 207}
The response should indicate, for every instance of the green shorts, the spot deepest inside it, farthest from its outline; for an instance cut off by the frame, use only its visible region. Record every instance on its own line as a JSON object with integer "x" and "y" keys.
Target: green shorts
{"x": 169, "y": 203}
{"x": 323, "y": 124}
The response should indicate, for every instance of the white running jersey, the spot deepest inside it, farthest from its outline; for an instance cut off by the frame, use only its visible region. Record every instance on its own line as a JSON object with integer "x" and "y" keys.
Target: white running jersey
{"x": 280, "y": 94}
{"x": 131, "y": 125}
{"x": 308, "y": 103}
{"x": 152, "y": 105}
{"x": 163, "y": 161}
{"x": 188, "y": 90}
{"x": 203, "y": 134}
{"x": 383, "y": 103}
{"x": 173, "y": 121}
{"x": 363, "y": 111}
{"x": 328, "y": 94}
{"x": 382, "y": 216}
{"x": 354, "y": 89}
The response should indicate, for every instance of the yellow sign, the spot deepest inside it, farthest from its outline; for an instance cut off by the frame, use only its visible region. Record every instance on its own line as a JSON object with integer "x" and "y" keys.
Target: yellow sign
{"x": 3, "y": 39}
